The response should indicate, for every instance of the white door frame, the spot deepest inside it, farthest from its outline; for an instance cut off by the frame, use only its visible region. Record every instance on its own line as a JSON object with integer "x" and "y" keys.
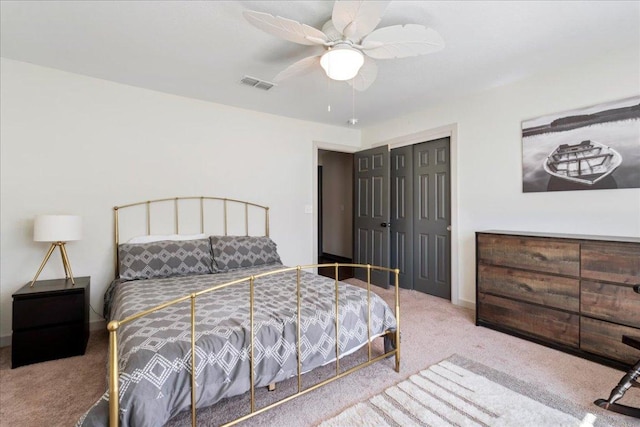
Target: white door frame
{"x": 450, "y": 131}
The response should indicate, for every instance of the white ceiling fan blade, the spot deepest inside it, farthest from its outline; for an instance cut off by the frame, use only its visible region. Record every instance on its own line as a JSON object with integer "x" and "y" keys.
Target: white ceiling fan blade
{"x": 303, "y": 66}
{"x": 367, "y": 75}
{"x": 356, "y": 19}
{"x": 400, "y": 41}
{"x": 285, "y": 28}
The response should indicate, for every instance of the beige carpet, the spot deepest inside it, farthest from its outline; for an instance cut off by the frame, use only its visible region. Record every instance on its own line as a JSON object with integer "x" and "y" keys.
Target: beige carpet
{"x": 57, "y": 393}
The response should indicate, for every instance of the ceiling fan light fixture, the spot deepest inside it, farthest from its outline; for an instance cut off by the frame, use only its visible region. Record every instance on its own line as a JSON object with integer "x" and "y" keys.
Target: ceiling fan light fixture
{"x": 342, "y": 62}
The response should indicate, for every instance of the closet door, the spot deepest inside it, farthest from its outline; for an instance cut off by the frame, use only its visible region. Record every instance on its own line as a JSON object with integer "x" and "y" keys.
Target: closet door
{"x": 371, "y": 212}
{"x": 432, "y": 216}
{"x": 402, "y": 214}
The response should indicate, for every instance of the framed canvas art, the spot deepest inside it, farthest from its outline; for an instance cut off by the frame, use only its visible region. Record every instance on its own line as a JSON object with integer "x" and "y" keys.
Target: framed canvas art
{"x": 590, "y": 148}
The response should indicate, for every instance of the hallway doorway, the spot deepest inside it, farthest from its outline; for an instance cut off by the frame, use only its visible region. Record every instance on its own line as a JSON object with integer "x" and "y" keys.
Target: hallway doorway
{"x": 335, "y": 211}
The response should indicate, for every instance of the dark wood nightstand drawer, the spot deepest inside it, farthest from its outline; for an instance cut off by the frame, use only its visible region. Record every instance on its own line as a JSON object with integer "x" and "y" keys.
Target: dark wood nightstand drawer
{"x": 36, "y": 345}
{"x": 50, "y": 310}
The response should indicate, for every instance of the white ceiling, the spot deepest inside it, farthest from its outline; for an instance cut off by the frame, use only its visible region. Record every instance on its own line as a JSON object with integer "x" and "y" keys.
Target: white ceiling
{"x": 201, "y": 49}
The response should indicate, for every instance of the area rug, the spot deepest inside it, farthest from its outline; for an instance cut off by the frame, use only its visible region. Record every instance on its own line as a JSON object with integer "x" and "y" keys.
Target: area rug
{"x": 461, "y": 392}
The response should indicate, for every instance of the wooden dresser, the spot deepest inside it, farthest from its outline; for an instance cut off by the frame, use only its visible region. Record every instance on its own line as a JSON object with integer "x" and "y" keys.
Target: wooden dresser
{"x": 570, "y": 292}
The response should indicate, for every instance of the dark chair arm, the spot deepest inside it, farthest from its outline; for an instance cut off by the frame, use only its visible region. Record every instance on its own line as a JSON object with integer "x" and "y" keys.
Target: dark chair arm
{"x": 631, "y": 341}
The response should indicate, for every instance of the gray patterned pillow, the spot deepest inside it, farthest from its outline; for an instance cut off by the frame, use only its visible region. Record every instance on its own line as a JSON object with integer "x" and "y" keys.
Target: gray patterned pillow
{"x": 165, "y": 258}
{"x": 231, "y": 252}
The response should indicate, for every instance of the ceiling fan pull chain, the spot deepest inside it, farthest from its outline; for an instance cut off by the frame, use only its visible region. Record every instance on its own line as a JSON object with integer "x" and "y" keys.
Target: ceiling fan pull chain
{"x": 353, "y": 103}
{"x": 328, "y": 95}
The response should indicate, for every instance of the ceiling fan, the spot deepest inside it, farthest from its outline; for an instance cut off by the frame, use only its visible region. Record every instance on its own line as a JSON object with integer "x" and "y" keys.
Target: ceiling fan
{"x": 350, "y": 40}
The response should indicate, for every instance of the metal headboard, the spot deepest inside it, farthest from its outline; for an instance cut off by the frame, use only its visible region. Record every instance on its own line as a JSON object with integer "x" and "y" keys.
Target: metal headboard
{"x": 176, "y": 213}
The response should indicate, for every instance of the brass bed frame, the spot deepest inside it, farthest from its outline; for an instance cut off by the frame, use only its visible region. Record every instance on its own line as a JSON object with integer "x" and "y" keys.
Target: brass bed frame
{"x": 114, "y": 325}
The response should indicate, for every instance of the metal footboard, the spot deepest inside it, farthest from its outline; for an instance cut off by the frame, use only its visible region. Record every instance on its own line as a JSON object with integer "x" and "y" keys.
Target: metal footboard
{"x": 114, "y": 326}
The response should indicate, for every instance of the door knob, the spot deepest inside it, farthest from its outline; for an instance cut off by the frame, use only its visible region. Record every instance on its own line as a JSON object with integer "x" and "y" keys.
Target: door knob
{"x": 385, "y": 224}
{"x": 448, "y": 228}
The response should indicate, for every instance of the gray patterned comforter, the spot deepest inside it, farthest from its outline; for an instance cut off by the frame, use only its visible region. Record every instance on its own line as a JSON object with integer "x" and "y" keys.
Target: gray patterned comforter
{"x": 155, "y": 351}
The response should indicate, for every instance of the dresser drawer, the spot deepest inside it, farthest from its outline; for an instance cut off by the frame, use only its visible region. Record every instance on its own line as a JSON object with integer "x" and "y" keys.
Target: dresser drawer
{"x": 544, "y": 255}
{"x": 617, "y": 262}
{"x": 48, "y": 310}
{"x": 615, "y": 303}
{"x": 552, "y": 325}
{"x": 605, "y": 339}
{"x": 543, "y": 289}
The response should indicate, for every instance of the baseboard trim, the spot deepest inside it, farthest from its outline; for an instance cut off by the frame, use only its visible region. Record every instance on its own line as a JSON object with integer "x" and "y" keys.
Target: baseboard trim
{"x": 5, "y": 341}
{"x": 466, "y": 304}
{"x": 96, "y": 325}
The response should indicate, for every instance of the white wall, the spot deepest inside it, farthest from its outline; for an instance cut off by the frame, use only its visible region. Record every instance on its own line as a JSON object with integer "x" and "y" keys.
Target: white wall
{"x": 73, "y": 144}
{"x": 489, "y": 157}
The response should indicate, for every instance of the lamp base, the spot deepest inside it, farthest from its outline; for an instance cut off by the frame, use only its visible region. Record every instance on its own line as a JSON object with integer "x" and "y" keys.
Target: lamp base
{"x": 65, "y": 262}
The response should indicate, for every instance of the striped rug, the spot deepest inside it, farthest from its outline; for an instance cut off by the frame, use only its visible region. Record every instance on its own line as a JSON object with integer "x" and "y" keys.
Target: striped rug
{"x": 448, "y": 394}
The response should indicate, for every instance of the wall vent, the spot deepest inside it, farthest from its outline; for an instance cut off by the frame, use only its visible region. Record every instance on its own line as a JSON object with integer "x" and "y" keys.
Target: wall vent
{"x": 257, "y": 83}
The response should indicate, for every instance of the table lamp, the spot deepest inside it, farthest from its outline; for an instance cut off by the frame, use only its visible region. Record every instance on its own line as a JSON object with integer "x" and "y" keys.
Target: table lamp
{"x": 57, "y": 229}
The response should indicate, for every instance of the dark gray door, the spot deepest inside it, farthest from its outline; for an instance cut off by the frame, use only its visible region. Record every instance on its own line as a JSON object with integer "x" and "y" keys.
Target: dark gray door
{"x": 402, "y": 214}
{"x": 432, "y": 216}
{"x": 371, "y": 212}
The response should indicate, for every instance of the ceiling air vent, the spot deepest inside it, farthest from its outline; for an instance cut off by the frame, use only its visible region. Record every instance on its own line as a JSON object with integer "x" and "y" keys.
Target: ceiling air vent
{"x": 257, "y": 83}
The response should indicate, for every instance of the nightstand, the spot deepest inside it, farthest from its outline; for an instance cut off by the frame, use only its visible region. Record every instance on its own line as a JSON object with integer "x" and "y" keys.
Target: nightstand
{"x": 50, "y": 320}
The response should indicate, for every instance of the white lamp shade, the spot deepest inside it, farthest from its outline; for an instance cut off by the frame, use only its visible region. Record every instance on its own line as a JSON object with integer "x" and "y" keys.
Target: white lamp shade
{"x": 342, "y": 62}
{"x": 57, "y": 228}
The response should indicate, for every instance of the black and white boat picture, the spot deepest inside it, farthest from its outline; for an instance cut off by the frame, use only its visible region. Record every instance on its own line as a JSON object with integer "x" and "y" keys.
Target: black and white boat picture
{"x": 591, "y": 148}
{"x": 585, "y": 163}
